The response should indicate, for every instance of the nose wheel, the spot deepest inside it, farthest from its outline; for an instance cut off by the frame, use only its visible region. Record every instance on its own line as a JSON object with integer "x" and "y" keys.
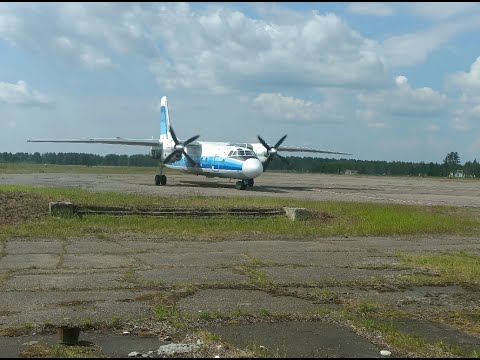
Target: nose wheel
{"x": 242, "y": 184}
{"x": 160, "y": 180}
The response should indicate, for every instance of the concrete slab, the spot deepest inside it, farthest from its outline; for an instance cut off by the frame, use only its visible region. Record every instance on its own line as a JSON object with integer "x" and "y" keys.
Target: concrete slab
{"x": 29, "y": 261}
{"x": 296, "y": 339}
{"x": 66, "y": 281}
{"x": 241, "y": 246}
{"x": 322, "y": 258}
{"x": 191, "y": 275}
{"x": 93, "y": 311}
{"x": 31, "y": 301}
{"x": 97, "y": 261}
{"x": 190, "y": 259}
{"x": 86, "y": 246}
{"x": 33, "y": 247}
{"x": 305, "y": 275}
{"x": 225, "y": 301}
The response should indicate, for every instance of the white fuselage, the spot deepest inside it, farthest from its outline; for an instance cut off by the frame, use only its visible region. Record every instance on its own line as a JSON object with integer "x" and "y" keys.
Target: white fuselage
{"x": 220, "y": 159}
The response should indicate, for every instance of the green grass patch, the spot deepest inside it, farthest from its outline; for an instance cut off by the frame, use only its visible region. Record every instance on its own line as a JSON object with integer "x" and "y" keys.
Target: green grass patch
{"x": 59, "y": 351}
{"x": 458, "y": 267}
{"x": 345, "y": 218}
{"x": 376, "y": 319}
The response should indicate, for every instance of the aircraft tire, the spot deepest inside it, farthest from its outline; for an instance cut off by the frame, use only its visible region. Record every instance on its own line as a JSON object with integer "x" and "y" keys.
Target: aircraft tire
{"x": 163, "y": 180}
{"x": 240, "y": 185}
{"x": 157, "y": 180}
{"x": 250, "y": 182}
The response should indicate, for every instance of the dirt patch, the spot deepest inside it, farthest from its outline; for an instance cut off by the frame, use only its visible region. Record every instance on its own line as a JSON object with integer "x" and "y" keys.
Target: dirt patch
{"x": 17, "y": 206}
{"x": 322, "y": 216}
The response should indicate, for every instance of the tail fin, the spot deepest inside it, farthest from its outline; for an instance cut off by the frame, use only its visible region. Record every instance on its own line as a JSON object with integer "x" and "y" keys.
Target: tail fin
{"x": 164, "y": 119}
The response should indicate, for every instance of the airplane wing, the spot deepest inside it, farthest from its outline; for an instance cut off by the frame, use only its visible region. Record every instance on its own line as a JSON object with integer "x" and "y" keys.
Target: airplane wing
{"x": 114, "y": 141}
{"x": 299, "y": 149}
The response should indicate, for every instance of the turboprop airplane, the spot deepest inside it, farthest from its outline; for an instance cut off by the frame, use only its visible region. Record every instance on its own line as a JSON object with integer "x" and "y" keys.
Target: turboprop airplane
{"x": 243, "y": 161}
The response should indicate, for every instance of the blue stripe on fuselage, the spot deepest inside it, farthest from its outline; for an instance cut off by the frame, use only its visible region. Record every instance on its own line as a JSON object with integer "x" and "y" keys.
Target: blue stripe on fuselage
{"x": 206, "y": 162}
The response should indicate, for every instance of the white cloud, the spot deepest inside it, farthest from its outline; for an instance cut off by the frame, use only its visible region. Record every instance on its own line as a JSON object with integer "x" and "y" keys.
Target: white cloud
{"x": 20, "y": 94}
{"x": 400, "y": 100}
{"x": 224, "y": 50}
{"x": 286, "y": 107}
{"x": 414, "y": 48}
{"x": 441, "y": 10}
{"x": 214, "y": 48}
{"x": 467, "y": 111}
{"x": 278, "y": 106}
{"x": 467, "y": 81}
{"x": 371, "y": 8}
{"x": 219, "y": 49}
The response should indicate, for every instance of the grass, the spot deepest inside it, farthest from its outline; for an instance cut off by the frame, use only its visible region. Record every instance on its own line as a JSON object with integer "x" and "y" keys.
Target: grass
{"x": 380, "y": 322}
{"x": 59, "y": 351}
{"x": 458, "y": 267}
{"x": 346, "y": 218}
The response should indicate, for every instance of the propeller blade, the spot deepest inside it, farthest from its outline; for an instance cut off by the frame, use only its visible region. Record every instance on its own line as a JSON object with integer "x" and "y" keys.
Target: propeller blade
{"x": 193, "y": 138}
{"x": 174, "y": 137}
{"x": 189, "y": 158}
{"x": 167, "y": 159}
{"x": 264, "y": 143}
{"x": 279, "y": 142}
{"x": 265, "y": 165}
{"x": 283, "y": 159}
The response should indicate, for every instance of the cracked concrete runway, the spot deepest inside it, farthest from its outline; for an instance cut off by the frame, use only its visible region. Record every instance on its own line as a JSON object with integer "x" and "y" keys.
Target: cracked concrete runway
{"x": 92, "y": 279}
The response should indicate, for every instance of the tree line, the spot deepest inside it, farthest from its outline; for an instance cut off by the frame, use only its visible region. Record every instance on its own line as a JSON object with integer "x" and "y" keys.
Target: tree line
{"x": 450, "y": 164}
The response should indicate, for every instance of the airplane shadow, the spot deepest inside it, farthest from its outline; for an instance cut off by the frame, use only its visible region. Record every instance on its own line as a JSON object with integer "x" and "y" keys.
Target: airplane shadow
{"x": 255, "y": 188}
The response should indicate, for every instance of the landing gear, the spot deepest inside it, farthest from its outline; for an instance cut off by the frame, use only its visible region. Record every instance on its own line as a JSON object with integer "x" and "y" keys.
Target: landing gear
{"x": 242, "y": 184}
{"x": 160, "y": 179}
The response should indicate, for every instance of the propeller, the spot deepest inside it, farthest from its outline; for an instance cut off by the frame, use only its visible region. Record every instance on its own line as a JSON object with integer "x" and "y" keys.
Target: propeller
{"x": 180, "y": 147}
{"x": 272, "y": 151}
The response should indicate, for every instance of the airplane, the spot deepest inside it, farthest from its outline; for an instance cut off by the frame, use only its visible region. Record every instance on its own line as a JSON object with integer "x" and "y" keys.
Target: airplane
{"x": 242, "y": 161}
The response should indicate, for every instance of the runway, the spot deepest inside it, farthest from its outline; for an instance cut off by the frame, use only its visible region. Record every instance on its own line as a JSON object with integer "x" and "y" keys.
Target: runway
{"x": 395, "y": 190}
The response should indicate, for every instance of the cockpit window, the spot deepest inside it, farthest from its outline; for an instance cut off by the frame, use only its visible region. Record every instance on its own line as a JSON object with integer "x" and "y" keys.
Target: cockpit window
{"x": 242, "y": 154}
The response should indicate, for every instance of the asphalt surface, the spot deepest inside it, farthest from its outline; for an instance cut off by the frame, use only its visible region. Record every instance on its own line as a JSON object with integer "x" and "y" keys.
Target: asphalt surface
{"x": 398, "y": 190}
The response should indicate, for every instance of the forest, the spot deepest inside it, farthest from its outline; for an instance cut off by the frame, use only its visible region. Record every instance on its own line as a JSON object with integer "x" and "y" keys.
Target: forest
{"x": 450, "y": 164}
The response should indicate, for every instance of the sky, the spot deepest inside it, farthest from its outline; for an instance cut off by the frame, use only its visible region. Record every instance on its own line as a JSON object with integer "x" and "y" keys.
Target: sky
{"x": 384, "y": 81}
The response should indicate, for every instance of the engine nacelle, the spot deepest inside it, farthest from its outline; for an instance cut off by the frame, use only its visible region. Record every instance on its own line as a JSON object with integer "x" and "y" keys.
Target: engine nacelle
{"x": 174, "y": 158}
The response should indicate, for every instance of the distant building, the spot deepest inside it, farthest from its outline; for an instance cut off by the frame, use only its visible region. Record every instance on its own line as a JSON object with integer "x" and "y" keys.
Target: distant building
{"x": 351, "y": 172}
{"x": 457, "y": 174}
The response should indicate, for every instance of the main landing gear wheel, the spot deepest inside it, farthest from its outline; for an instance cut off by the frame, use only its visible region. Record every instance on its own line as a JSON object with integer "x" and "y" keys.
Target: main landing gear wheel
{"x": 160, "y": 180}
{"x": 250, "y": 182}
{"x": 240, "y": 185}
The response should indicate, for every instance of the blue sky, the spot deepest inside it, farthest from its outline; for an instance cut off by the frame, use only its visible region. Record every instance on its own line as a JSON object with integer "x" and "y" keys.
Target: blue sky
{"x": 384, "y": 81}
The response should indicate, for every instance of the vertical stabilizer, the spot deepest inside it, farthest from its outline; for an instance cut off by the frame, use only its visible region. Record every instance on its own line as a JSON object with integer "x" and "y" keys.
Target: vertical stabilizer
{"x": 164, "y": 119}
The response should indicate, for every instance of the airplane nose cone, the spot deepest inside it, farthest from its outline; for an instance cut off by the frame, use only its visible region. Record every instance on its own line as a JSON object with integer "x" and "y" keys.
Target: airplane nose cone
{"x": 252, "y": 168}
